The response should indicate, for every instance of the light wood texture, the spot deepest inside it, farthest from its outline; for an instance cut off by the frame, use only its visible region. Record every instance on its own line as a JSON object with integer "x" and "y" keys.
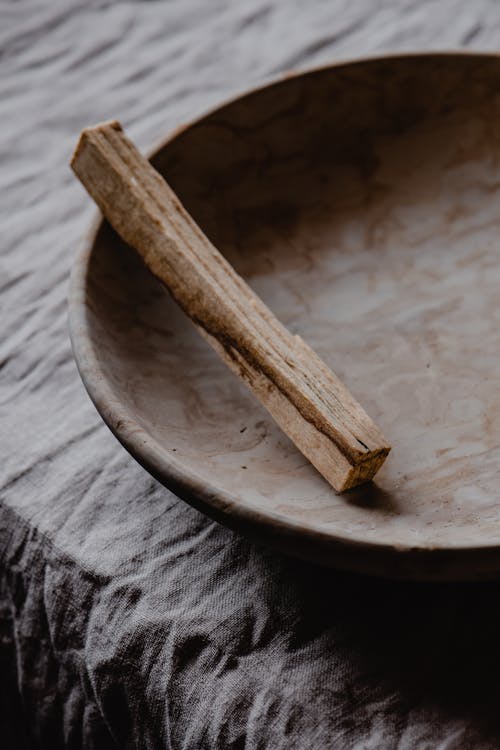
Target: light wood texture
{"x": 311, "y": 405}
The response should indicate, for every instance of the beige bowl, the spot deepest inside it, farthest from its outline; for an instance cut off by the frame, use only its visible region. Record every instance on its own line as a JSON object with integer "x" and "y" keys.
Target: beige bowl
{"x": 362, "y": 203}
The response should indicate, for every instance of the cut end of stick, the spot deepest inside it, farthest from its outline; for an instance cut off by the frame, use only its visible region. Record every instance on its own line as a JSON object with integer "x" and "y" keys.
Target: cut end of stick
{"x": 364, "y": 471}
{"x": 310, "y": 404}
{"x": 86, "y": 133}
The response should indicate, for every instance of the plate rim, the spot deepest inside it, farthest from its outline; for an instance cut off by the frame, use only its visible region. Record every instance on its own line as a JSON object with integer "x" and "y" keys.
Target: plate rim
{"x": 417, "y": 562}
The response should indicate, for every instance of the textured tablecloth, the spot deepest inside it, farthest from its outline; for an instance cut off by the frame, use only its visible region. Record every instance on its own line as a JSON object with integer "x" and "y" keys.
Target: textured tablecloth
{"x": 128, "y": 619}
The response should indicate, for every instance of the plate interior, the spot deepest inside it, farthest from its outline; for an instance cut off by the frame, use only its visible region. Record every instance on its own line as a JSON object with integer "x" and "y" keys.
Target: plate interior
{"x": 362, "y": 204}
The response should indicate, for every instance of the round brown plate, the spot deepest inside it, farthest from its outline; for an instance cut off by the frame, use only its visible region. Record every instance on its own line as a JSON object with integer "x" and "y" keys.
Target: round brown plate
{"x": 362, "y": 202}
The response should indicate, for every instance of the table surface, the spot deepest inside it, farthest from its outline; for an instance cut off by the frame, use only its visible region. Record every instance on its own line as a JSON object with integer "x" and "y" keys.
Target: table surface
{"x": 126, "y": 617}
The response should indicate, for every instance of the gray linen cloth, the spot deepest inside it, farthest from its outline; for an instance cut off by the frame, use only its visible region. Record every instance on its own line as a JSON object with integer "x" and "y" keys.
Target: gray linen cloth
{"x": 128, "y": 619}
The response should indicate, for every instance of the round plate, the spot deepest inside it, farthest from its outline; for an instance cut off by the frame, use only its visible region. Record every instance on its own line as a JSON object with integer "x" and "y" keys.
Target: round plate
{"x": 362, "y": 203}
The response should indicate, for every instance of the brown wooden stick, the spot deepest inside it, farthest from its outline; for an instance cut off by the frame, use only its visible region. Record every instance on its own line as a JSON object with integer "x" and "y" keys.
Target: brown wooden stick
{"x": 306, "y": 399}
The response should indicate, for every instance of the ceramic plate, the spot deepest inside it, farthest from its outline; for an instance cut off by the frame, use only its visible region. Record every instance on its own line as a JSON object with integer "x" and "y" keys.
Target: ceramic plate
{"x": 362, "y": 203}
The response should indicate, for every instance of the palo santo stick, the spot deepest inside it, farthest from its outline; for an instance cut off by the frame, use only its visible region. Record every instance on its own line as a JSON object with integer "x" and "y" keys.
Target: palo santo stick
{"x": 311, "y": 405}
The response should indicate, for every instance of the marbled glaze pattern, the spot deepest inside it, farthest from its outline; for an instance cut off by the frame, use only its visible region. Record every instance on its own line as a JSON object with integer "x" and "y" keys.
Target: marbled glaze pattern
{"x": 362, "y": 203}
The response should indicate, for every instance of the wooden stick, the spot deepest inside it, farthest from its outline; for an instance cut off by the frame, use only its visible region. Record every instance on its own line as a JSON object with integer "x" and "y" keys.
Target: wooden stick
{"x": 311, "y": 405}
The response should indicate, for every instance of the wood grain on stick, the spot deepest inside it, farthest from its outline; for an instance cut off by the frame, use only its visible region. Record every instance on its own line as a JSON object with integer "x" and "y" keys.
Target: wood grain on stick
{"x": 311, "y": 405}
